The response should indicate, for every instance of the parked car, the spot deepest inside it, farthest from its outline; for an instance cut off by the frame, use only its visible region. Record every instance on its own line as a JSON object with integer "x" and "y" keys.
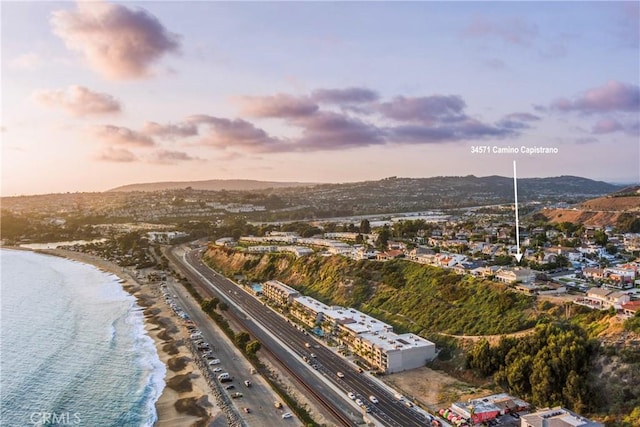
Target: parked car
{"x": 230, "y": 387}
{"x": 287, "y": 415}
{"x": 246, "y": 410}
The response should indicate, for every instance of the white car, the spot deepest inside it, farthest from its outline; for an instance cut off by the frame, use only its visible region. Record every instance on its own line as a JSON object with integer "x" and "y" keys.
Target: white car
{"x": 359, "y": 402}
{"x": 351, "y": 396}
{"x": 287, "y": 415}
{"x": 340, "y": 375}
{"x": 214, "y": 362}
{"x": 373, "y": 399}
{"x": 217, "y": 369}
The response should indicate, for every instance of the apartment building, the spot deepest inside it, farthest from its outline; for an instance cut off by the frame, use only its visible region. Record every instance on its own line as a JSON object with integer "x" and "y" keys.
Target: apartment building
{"x": 278, "y": 292}
{"x": 374, "y": 341}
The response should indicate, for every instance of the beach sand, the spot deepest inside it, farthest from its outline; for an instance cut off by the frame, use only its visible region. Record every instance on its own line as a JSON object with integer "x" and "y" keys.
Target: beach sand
{"x": 184, "y": 402}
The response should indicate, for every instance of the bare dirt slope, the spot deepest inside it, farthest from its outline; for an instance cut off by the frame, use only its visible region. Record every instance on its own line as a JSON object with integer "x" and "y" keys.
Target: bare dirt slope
{"x": 587, "y": 217}
{"x": 608, "y": 203}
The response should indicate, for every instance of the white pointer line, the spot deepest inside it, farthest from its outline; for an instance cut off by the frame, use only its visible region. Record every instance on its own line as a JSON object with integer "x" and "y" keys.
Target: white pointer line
{"x": 515, "y": 189}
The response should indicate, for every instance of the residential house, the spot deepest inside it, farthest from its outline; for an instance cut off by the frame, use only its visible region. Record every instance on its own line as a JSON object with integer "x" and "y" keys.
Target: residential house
{"x": 603, "y": 298}
{"x": 593, "y": 273}
{"x": 417, "y": 251}
{"x": 631, "y": 308}
{"x": 512, "y": 275}
{"x": 621, "y": 277}
{"x": 392, "y": 254}
{"x": 226, "y": 242}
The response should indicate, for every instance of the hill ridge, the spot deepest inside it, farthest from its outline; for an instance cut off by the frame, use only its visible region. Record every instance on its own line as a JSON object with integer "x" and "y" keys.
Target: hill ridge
{"x": 251, "y": 184}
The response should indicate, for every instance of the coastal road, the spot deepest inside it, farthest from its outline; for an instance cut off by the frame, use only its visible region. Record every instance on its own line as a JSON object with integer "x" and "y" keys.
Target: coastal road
{"x": 290, "y": 344}
{"x": 259, "y": 398}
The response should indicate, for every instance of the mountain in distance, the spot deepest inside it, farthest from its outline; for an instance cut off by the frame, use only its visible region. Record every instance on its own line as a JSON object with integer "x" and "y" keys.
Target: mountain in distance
{"x": 210, "y": 185}
{"x": 466, "y": 188}
{"x": 494, "y": 183}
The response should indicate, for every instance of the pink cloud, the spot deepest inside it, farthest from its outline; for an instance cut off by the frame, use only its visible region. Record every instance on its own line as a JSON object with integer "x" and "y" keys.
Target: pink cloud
{"x": 279, "y": 105}
{"x": 122, "y": 136}
{"x": 118, "y": 42}
{"x": 170, "y": 157}
{"x": 238, "y": 133}
{"x": 606, "y": 125}
{"x": 329, "y": 130}
{"x": 610, "y": 125}
{"x": 117, "y": 155}
{"x": 613, "y": 96}
{"x": 423, "y": 120}
{"x": 353, "y": 95}
{"x": 170, "y": 131}
{"x": 425, "y": 109}
{"x": 79, "y": 101}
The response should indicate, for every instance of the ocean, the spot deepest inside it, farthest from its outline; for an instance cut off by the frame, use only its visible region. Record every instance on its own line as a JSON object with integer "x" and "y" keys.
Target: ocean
{"x": 73, "y": 349}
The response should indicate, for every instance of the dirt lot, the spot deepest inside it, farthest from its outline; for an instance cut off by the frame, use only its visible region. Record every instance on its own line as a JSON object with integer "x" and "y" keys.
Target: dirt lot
{"x": 433, "y": 389}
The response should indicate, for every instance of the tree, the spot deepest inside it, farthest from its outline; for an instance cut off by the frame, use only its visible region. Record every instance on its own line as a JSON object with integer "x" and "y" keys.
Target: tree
{"x": 253, "y": 347}
{"x": 600, "y": 238}
{"x": 365, "y": 226}
{"x": 242, "y": 338}
{"x": 383, "y": 237}
{"x": 223, "y": 306}
{"x": 210, "y": 304}
{"x": 480, "y": 358}
{"x": 628, "y": 223}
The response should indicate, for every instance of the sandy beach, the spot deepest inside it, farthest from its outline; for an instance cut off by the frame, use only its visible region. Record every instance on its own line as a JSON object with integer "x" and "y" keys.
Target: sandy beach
{"x": 185, "y": 399}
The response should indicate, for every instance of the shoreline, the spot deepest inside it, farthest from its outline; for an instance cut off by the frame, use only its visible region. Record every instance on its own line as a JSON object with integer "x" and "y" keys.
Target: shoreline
{"x": 184, "y": 400}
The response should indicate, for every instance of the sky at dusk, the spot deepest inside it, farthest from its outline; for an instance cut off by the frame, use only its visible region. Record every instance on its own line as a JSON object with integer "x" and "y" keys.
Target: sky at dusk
{"x": 101, "y": 94}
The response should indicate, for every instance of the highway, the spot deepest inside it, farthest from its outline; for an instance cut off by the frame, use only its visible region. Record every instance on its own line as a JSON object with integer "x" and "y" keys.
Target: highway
{"x": 264, "y": 324}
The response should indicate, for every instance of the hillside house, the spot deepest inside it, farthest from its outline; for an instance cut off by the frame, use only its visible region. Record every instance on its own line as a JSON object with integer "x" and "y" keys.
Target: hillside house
{"x": 631, "y": 308}
{"x": 515, "y": 275}
{"x": 603, "y": 298}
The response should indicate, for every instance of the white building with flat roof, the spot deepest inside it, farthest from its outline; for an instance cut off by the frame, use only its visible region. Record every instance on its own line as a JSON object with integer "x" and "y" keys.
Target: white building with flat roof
{"x": 556, "y": 417}
{"x": 391, "y": 352}
{"x": 369, "y": 338}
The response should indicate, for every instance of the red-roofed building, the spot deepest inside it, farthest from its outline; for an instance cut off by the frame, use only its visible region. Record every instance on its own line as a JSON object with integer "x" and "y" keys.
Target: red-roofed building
{"x": 631, "y": 308}
{"x": 385, "y": 256}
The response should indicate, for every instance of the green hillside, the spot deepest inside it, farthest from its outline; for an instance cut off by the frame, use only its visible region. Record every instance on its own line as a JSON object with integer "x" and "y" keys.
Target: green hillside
{"x": 412, "y": 297}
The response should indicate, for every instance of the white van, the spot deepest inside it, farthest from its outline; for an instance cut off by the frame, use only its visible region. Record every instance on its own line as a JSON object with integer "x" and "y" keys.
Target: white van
{"x": 224, "y": 376}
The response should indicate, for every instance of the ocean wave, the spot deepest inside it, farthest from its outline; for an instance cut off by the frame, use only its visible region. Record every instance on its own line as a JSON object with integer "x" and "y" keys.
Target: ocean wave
{"x": 95, "y": 360}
